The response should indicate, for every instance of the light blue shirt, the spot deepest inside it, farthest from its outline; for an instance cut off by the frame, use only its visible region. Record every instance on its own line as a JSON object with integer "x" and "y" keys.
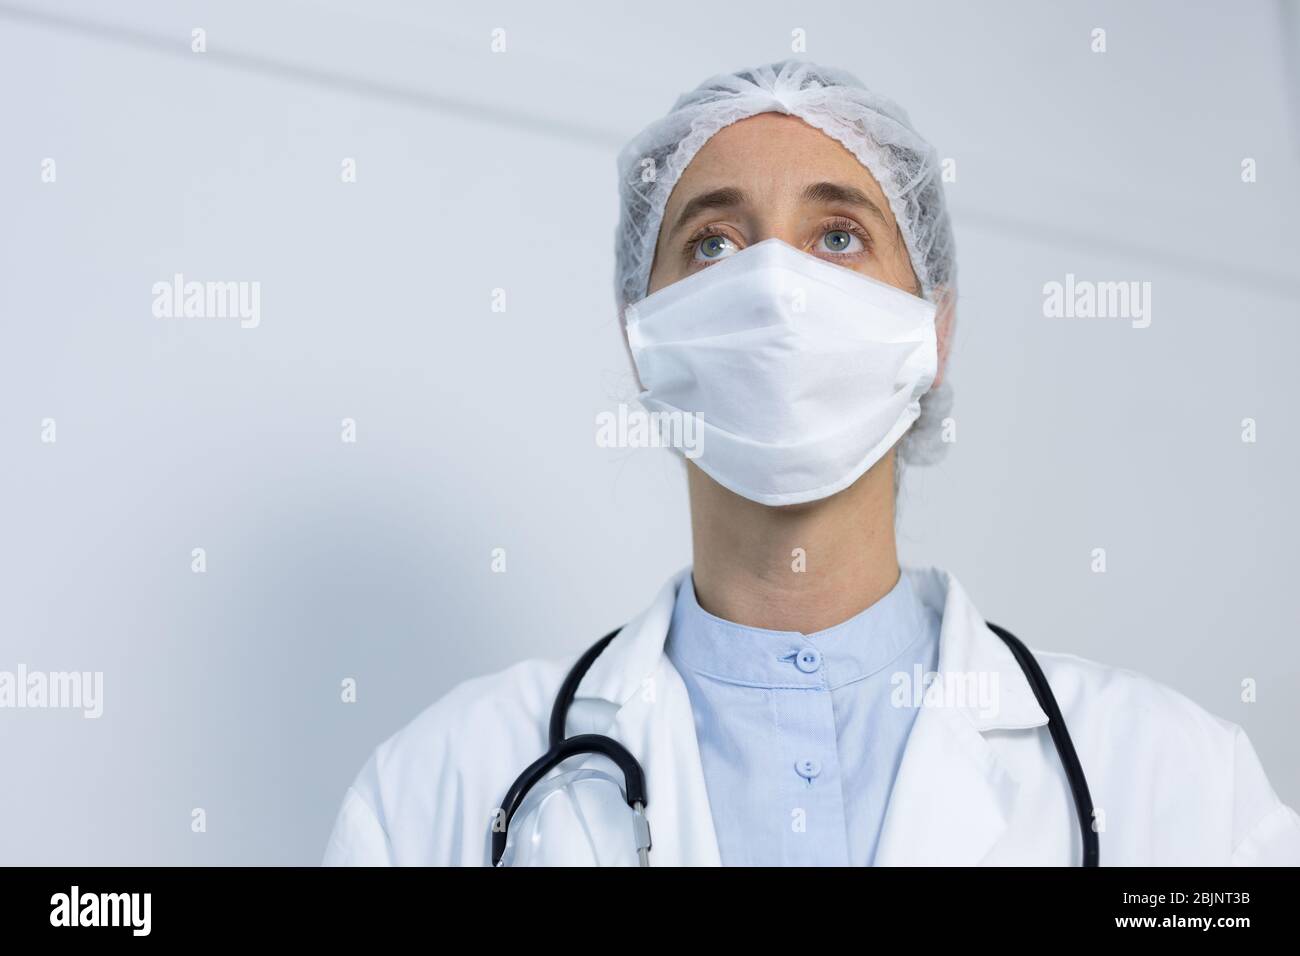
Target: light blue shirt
{"x": 799, "y": 734}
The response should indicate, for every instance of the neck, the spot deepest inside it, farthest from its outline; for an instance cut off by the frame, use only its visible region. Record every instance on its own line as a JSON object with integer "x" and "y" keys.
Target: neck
{"x": 799, "y": 568}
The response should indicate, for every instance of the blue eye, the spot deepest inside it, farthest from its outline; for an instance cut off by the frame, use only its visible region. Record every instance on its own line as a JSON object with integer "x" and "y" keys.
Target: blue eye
{"x": 711, "y": 248}
{"x": 841, "y": 241}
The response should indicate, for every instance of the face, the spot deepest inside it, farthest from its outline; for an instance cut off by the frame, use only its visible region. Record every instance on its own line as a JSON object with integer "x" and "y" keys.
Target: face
{"x": 774, "y": 176}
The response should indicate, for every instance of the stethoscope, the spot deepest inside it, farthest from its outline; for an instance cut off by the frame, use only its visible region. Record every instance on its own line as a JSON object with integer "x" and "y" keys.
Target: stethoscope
{"x": 561, "y": 748}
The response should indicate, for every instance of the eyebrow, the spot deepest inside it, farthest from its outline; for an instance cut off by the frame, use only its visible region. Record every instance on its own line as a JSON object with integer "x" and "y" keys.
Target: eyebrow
{"x": 726, "y": 198}
{"x": 828, "y": 193}
{"x": 825, "y": 193}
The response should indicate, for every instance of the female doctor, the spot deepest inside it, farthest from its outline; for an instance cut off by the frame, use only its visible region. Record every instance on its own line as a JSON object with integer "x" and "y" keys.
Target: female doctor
{"x": 786, "y": 277}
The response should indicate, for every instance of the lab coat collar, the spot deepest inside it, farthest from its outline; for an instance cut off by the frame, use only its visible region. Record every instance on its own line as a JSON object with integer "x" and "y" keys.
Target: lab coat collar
{"x": 971, "y": 656}
{"x": 952, "y": 798}
{"x": 633, "y": 656}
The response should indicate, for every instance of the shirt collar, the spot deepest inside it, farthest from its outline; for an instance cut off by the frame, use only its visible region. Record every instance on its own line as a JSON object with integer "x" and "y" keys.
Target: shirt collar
{"x": 630, "y": 666}
{"x": 863, "y": 645}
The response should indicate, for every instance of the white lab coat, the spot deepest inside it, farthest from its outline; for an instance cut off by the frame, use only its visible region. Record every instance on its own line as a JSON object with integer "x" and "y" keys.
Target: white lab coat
{"x": 1172, "y": 784}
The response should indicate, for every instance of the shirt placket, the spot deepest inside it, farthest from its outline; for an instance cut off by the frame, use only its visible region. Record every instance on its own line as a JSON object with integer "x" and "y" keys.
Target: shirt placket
{"x": 814, "y": 826}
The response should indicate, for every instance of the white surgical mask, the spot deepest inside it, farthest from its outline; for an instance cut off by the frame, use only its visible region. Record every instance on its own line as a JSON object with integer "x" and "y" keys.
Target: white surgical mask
{"x": 802, "y": 372}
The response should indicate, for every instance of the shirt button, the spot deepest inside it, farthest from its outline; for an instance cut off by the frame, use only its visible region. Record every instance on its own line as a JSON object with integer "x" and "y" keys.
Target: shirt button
{"x": 808, "y": 768}
{"x": 808, "y": 660}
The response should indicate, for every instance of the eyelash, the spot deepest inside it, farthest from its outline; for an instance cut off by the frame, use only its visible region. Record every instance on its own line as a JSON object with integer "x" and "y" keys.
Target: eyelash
{"x": 833, "y": 225}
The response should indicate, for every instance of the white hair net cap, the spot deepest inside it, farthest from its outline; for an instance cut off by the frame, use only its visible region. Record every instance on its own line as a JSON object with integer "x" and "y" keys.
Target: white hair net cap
{"x": 872, "y": 128}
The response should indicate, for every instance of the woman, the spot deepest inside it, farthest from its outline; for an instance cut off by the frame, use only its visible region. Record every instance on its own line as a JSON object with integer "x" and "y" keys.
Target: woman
{"x": 785, "y": 268}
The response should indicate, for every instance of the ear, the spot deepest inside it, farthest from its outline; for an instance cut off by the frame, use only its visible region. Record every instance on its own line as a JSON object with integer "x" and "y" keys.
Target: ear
{"x": 945, "y": 325}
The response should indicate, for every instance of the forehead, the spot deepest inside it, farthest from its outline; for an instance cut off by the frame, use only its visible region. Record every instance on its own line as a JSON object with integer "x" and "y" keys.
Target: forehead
{"x": 770, "y": 156}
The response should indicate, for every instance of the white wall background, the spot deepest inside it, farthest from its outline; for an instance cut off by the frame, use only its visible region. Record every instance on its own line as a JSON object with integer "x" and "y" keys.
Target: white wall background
{"x": 478, "y": 171}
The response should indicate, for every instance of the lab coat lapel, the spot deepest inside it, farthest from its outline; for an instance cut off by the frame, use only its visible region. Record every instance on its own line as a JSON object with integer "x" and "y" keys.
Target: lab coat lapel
{"x": 951, "y": 800}
{"x": 657, "y": 725}
{"x": 953, "y": 797}
{"x": 654, "y": 721}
